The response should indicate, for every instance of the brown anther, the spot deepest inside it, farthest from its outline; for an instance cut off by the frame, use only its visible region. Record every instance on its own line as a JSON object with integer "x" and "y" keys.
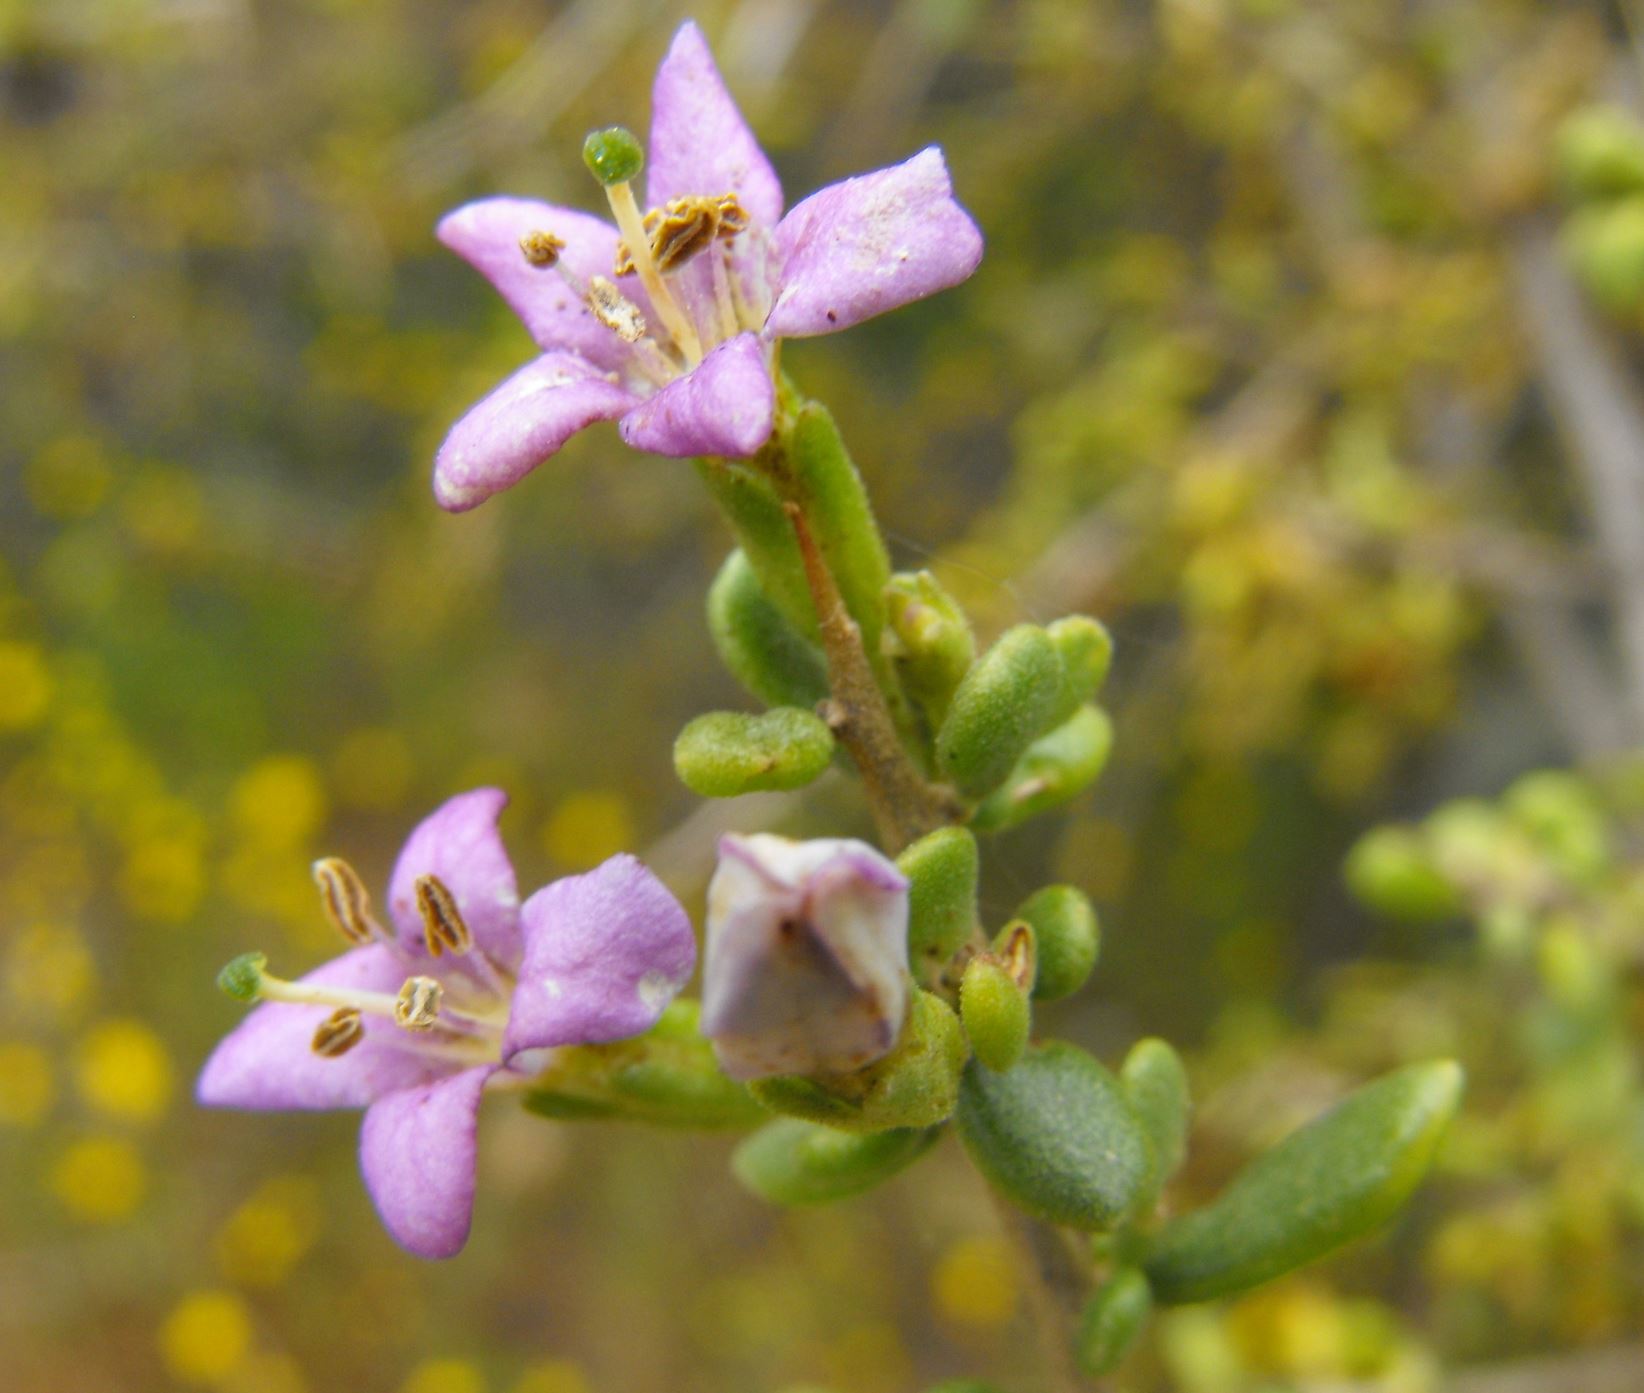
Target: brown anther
{"x": 338, "y": 1033}
{"x": 417, "y": 1007}
{"x": 1018, "y": 953}
{"x": 615, "y": 310}
{"x": 344, "y": 899}
{"x": 684, "y": 228}
{"x": 733, "y": 217}
{"x": 443, "y": 926}
{"x": 541, "y": 249}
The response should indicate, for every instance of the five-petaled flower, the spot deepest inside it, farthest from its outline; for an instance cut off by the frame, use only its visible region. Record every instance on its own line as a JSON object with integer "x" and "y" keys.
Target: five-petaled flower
{"x": 806, "y": 961}
{"x": 711, "y": 277}
{"x": 415, "y": 1020}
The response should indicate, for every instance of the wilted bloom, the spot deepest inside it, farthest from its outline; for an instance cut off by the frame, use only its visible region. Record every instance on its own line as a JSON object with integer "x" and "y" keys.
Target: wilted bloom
{"x": 668, "y": 321}
{"x": 415, "y": 1020}
{"x": 806, "y": 959}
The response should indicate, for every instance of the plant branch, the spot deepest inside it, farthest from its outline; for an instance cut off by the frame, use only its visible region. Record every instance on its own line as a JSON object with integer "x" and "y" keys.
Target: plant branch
{"x": 1057, "y": 1287}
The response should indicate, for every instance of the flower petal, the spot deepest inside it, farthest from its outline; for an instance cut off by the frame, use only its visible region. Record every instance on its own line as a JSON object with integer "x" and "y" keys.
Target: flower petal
{"x": 486, "y": 235}
{"x": 520, "y": 424}
{"x": 858, "y": 248}
{"x": 699, "y": 142}
{"x": 604, "y": 953}
{"x": 267, "y": 1060}
{"x": 417, "y": 1149}
{"x": 723, "y": 406}
{"x": 459, "y": 843}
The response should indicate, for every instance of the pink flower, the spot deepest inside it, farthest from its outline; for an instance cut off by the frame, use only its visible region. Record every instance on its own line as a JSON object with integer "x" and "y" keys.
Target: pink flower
{"x": 414, "y": 1022}
{"x": 681, "y": 354}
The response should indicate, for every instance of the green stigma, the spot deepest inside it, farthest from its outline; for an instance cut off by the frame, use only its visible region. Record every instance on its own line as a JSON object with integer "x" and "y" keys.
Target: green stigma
{"x": 241, "y": 977}
{"x": 613, "y": 156}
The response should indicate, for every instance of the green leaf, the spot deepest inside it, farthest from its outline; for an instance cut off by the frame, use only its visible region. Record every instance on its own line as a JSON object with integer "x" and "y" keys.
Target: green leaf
{"x": 794, "y": 1162}
{"x": 1332, "y": 1181}
{"x": 1113, "y": 1318}
{"x": 1155, "y": 1084}
{"x": 1391, "y": 870}
{"x": 765, "y": 534}
{"x": 1056, "y": 769}
{"x": 1086, "y": 651}
{"x": 761, "y": 649}
{"x": 929, "y": 639}
{"x": 942, "y": 870}
{"x": 1067, "y": 937}
{"x": 995, "y": 1013}
{"x": 725, "y": 753}
{"x": 1004, "y": 704}
{"x": 1600, "y": 152}
{"x": 1056, "y": 1137}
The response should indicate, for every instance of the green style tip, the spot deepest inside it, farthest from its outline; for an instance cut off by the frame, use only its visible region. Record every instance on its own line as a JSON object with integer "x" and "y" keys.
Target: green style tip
{"x": 613, "y": 156}
{"x": 241, "y": 978}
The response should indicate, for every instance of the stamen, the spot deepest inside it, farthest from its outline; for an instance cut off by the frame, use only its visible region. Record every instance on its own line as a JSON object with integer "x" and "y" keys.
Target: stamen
{"x": 733, "y": 217}
{"x": 541, "y": 248}
{"x": 338, "y": 1033}
{"x": 688, "y": 226}
{"x": 632, "y": 227}
{"x": 345, "y": 900}
{"x": 724, "y": 304}
{"x": 417, "y": 1007}
{"x": 442, "y": 923}
{"x": 615, "y": 310}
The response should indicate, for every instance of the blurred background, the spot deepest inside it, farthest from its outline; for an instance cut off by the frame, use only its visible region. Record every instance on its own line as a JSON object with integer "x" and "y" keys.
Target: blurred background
{"x": 1305, "y": 353}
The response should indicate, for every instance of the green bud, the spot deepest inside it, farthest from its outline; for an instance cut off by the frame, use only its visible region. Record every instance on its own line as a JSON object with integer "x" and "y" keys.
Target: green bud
{"x": 1560, "y": 810}
{"x": 1112, "y": 1321}
{"x": 241, "y": 977}
{"x": 1056, "y": 769}
{"x": 1332, "y": 1181}
{"x": 613, "y": 155}
{"x": 930, "y": 640}
{"x": 1391, "y": 870}
{"x": 915, "y": 1085}
{"x": 1605, "y": 245}
{"x": 1056, "y": 1137}
{"x": 725, "y": 753}
{"x": 1600, "y": 152}
{"x": 942, "y": 870}
{"x": 765, "y": 533}
{"x": 1086, "y": 650}
{"x": 794, "y": 1162}
{"x": 1002, "y": 707}
{"x": 1066, "y": 937}
{"x": 667, "y": 1077}
{"x": 761, "y": 649}
{"x": 995, "y": 1012}
{"x": 1155, "y": 1084}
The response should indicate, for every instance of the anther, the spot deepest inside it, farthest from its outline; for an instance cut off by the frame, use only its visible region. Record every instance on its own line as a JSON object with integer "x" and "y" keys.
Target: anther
{"x": 688, "y": 226}
{"x": 733, "y": 217}
{"x": 338, "y": 1033}
{"x": 1018, "y": 953}
{"x": 344, "y": 898}
{"x": 615, "y": 310}
{"x": 541, "y": 248}
{"x": 443, "y": 926}
{"x": 417, "y": 1007}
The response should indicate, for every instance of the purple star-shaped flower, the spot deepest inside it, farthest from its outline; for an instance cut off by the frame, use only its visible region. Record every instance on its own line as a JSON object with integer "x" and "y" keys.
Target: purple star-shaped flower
{"x": 414, "y": 1022}
{"x": 681, "y": 353}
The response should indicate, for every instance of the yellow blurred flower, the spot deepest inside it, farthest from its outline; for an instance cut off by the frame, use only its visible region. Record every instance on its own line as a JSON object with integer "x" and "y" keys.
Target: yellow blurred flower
{"x": 69, "y": 478}
{"x": 25, "y": 1083}
{"x": 122, "y": 1069}
{"x": 25, "y": 686}
{"x": 48, "y": 968}
{"x": 556, "y": 1376}
{"x": 206, "y": 1337}
{"x": 279, "y": 802}
{"x": 588, "y": 827}
{"x": 268, "y": 1235}
{"x": 163, "y": 878}
{"x": 976, "y": 1282}
{"x": 444, "y": 1376}
{"x": 100, "y": 1179}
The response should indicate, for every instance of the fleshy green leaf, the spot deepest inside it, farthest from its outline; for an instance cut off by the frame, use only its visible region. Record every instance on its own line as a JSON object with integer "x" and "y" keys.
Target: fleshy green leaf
{"x": 930, "y": 641}
{"x": 726, "y": 753}
{"x": 760, "y": 648}
{"x": 995, "y": 1013}
{"x": 794, "y": 1162}
{"x": 942, "y": 870}
{"x": 1086, "y": 650}
{"x": 1056, "y": 1137}
{"x": 1004, "y": 704}
{"x": 1056, "y": 769}
{"x": 1067, "y": 937}
{"x": 1155, "y": 1084}
{"x": 765, "y": 534}
{"x": 1332, "y": 1181}
{"x": 1112, "y": 1320}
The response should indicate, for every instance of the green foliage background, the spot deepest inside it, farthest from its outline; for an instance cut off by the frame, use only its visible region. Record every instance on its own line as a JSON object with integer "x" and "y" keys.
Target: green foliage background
{"x": 1274, "y": 364}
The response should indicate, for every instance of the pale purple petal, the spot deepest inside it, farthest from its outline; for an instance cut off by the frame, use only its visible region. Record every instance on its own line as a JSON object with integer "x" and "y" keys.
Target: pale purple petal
{"x": 699, "y": 142}
{"x": 520, "y": 424}
{"x": 459, "y": 843}
{"x": 486, "y": 235}
{"x": 724, "y": 406}
{"x": 267, "y": 1061}
{"x": 417, "y": 1151}
{"x": 605, "y": 952}
{"x": 866, "y": 245}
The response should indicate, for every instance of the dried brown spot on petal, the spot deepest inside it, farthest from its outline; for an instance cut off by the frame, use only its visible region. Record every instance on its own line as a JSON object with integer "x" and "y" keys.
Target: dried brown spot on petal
{"x": 338, "y": 1033}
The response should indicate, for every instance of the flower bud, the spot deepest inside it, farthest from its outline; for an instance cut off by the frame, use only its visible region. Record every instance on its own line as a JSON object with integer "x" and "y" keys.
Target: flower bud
{"x": 613, "y": 155}
{"x": 1066, "y": 937}
{"x": 1004, "y": 704}
{"x": 1112, "y": 1320}
{"x": 726, "y": 753}
{"x": 995, "y": 1012}
{"x": 942, "y": 870}
{"x": 760, "y": 648}
{"x": 805, "y": 969}
{"x": 929, "y": 639}
{"x": 1056, "y": 769}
